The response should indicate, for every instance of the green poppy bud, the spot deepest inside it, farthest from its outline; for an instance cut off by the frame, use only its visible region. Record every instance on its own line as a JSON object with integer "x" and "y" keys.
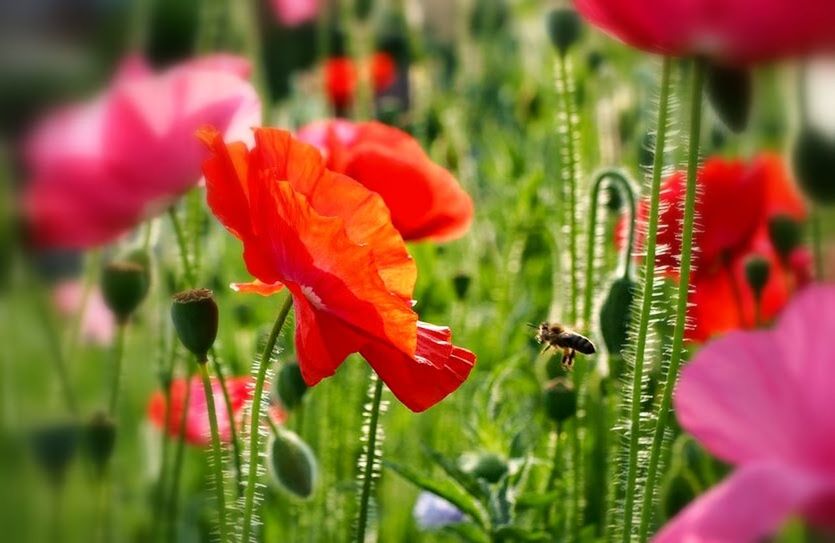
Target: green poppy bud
{"x": 757, "y": 272}
{"x": 54, "y": 447}
{"x": 677, "y": 490}
{"x": 560, "y": 400}
{"x": 564, "y": 29}
{"x": 290, "y": 386}
{"x": 487, "y": 466}
{"x": 461, "y": 284}
{"x": 785, "y": 235}
{"x": 195, "y": 317}
{"x": 100, "y": 440}
{"x": 729, "y": 90}
{"x": 124, "y": 285}
{"x": 814, "y": 165}
{"x": 615, "y": 314}
{"x": 293, "y": 464}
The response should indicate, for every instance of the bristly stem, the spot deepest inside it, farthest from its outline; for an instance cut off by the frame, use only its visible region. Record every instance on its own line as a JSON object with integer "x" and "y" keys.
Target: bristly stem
{"x": 628, "y": 189}
{"x": 255, "y": 417}
{"x": 178, "y": 461}
{"x": 552, "y": 474}
{"x": 646, "y": 304}
{"x": 118, "y": 355}
{"x": 233, "y": 434}
{"x": 218, "y": 455}
{"x": 370, "y": 452}
{"x": 564, "y": 91}
{"x": 683, "y": 289}
{"x": 188, "y": 271}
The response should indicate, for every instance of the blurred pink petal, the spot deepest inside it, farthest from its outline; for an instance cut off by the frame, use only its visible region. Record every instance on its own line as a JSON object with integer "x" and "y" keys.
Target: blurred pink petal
{"x": 295, "y": 12}
{"x": 98, "y": 324}
{"x": 762, "y": 400}
{"x": 748, "y": 505}
{"x": 737, "y": 31}
{"x": 98, "y": 169}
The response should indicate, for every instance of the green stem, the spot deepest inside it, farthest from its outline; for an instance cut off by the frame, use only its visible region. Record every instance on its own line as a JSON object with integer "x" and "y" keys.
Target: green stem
{"x": 166, "y": 440}
{"x": 683, "y": 290}
{"x": 118, "y": 355}
{"x": 627, "y": 188}
{"x": 565, "y": 97}
{"x": 255, "y": 417}
{"x": 178, "y": 462}
{"x": 191, "y": 278}
{"x": 53, "y": 339}
{"x": 370, "y": 451}
{"x": 216, "y": 451}
{"x": 236, "y": 446}
{"x": 552, "y": 474}
{"x": 646, "y": 304}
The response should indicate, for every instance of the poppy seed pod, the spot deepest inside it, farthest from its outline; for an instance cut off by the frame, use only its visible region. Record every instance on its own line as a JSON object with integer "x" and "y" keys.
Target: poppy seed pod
{"x": 615, "y": 314}
{"x": 784, "y": 233}
{"x": 814, "y": 165}
{"x": 293, "y": 464}
{"x": 757, "y": 272}
{"x": 100, "y": 440}
{"x": 124, "y": 285}
{"x": 729, "y": 90}
{"x": 487, "y": 466}
{"x": 290, "y": 386}
{"x": 564, "y": 29}
{"x": 560, "y": 400}
{"x": 195, "y": 317}
{"x": 54, "y": 447}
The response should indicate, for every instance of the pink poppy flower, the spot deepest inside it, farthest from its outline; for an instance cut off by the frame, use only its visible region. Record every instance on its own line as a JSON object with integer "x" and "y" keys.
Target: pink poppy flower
{"x": 97, "y": 324}
{"x": 99, "y": 168}
{"x": 763, "y": 401}
{"x": 737, "y": 31}
{"x": 295, "y": 12}
{"x": 197, "y": 429}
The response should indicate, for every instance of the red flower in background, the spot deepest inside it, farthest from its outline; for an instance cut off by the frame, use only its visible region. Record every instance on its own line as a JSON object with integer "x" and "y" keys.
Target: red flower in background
{"x": 100, "y": 168}
{"x": 342, "y": 76}
{"x": 197, "y": 430}
{"x": 735, "y": 203}
{"x": 425, "y": 200}
{"x": 736, "y": 31}
{"x": 331, "y": 243}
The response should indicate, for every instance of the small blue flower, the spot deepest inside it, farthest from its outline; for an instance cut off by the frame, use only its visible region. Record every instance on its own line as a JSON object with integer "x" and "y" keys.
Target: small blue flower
{"x": 433, "y": 512}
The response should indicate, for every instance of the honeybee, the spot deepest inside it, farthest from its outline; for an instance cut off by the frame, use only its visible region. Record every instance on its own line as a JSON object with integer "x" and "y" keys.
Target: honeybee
{"x": 556, "y": 336}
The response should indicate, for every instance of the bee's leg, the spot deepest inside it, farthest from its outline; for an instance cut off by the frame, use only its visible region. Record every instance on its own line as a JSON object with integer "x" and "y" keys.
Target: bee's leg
{"x": 568, "y": 358}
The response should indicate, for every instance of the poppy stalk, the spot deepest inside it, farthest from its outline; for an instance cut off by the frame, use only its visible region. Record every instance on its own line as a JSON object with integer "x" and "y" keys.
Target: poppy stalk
{"x": 646, "y": 303}
{"x": 683, "y": 290}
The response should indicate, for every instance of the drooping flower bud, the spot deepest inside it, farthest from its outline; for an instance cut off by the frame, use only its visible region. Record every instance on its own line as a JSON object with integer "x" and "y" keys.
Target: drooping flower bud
{"x": 564, "y": 29}
{"x": 124, "y": 285}
{"x": 54, "y": 447}
{"x": 560, "y": 400}
{"x": 757, "y": 272}
{"x": 785, "y": 235}
{"x": 483, "y": 465}
{"x": 729, "y": 90}
{"x": 293, "y": 464}
{"x": 461, "y": 284}
{"x": 677, "y": 490}
{"x": 99, "y": 441}
{"x": 290, "y": 386}
{"x": 814, "y": 165}
{"x": 615, "y": 314}
{"x": 195, "y": 317}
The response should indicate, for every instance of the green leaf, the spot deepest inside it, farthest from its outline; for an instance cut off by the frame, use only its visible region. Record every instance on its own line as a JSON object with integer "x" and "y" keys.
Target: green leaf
{"x": 535, "y": 500}
{"x": 447, "y": 490}
{"x": 468, "y": 532}
{"x": 471, "y": 484}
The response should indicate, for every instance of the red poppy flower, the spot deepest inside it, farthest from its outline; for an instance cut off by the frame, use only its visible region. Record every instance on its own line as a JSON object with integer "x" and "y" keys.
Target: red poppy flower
{"x": 331, "y": 243}
{"x": 738, "y": 30}
{"x": 342, "y": 76}
{"x": 425, "y": 200}
{"x": 197, "y": 429}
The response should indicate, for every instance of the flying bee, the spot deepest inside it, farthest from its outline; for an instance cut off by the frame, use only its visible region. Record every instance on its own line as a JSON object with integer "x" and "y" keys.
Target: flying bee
{"x": 556, "y": 336}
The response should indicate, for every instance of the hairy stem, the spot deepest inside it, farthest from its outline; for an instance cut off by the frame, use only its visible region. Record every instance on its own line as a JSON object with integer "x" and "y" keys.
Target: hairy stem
{"x": 255, "y": 417}
{"x": 370, "y": 451}
{"x": 646, "y": 305}
{"x": 236, "y": 446}
{"x": 178, "y": 462}
{"x": 188, "y": 271}
{"x": 568, "y": 109}
{"x": 218, "y": 455}
{"x": 683, "y": 289}
{"x": 118, "y": 355}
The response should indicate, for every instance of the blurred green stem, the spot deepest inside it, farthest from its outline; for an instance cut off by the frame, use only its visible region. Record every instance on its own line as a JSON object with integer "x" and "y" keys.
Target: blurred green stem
{"x": 255, "y": 417}
{"x": 552, "y": 474}
{"x": 236, "y": 446}
{"x": 628, "y": 189}
{"x": 216, "y": 451}
{"x": 173, "y": 500}
{"x": 646, "y": 303}
{"x": 370, "y": 459}
{"x": 188, "y": 271}
{"x": 53, "y": 339}
{"x": 118, "y": 355}
{"x": 683, "y": 290}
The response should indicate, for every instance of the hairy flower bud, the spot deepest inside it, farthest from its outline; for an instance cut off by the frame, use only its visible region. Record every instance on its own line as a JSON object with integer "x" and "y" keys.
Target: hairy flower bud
{"x": 293, "y": 464}
{"x": 290, "y": 386}
{"x": 124, "y": 285}
{"x": 785, "y": 235}
{"x": 560, "y": 400}
{"x": 757, "y": 272}
{"x": 615, "y": 314}
{"x": 729, "y": 90}
{"x": 564, "y": 28}
{"x": 483, "y": 465}
{"x": 195, "y": 317}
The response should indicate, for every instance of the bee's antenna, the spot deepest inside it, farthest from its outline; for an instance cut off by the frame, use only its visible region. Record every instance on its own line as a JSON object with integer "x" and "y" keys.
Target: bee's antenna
{"x": 531, "y": 325}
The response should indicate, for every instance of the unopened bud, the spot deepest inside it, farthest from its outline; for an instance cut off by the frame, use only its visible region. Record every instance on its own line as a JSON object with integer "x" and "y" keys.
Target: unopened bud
{"x": 487, "y": 466}
{"x": 560, "y": 400}
{"x": 100, "y": 440}
{"x": 757, "y": 272}
{"x": 729, "y": 90}
{"x": 293, "y": 464}
{"x": 195, "y": 317}
{"x": 54, "y": 447}
{"x": 564, "y": 28}
{"x": 677, "y": 490}
{"x": 461, "y": 284}
{"x": 814, "y": 165}
{"x": 290, "y": 386}
{"x": 785, "y": 235}
{"x": 615, "y": 314}
{"x": 124, "y": 285}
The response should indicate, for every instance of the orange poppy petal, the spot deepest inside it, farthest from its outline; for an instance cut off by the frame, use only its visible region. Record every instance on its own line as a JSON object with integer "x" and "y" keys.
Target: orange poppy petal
{"x": 257, "y": 287}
